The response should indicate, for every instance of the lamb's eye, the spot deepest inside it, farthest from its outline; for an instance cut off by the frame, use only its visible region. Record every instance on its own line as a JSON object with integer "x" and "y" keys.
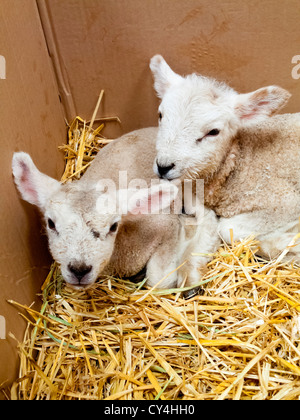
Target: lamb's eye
{"x": 213, "y": 132}
{"x": 95, "y": 234}
{"x": 160, "y": 116}
{"x": 51, "y": 224}
{"x": 114, "y": 227}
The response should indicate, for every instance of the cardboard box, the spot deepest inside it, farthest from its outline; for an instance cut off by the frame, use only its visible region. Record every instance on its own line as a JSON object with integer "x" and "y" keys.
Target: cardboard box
{"x": 31, "y": 120}
{"x": 56, "y": 56}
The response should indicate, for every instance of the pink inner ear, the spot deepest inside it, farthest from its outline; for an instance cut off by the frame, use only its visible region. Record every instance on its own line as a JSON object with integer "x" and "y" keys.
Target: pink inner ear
{"x": 26, "y": 184}
{"x": 254, "y": 110}
{"x": 147, "y": 204}
{"x": 249, "y": 115}
{"x": 152, "y": 203}
{"x": 156, "y": 201}
{"x": 262, "y": 103}
{"x": 142, "y": 206}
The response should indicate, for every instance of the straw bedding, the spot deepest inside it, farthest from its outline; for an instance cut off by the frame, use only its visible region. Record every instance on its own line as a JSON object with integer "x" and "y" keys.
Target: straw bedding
{"x": 117, "y": 340}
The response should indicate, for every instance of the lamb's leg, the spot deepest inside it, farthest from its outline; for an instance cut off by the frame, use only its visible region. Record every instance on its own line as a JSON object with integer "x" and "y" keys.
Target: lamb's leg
{"x": 200, "y": 243}
{"x": 274, "y": 243}
{"x": 242, "y": 226}
{"x": 273, "y": 237}
{"x": 161, "y": 268}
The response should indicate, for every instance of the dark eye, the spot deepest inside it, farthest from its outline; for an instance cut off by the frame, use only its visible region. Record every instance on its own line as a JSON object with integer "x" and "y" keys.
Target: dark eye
{"x": 114, "y": 227}
{"x": 51, "y": 224}
{"x": 213, "y": 132}
{"x": 160, "y": 116}
{"x": 95, "y": 234}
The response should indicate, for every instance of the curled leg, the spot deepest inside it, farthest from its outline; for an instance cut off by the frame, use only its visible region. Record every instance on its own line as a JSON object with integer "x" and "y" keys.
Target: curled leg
{"x": 198, "y": 244}
{"x": 161, "y": 268}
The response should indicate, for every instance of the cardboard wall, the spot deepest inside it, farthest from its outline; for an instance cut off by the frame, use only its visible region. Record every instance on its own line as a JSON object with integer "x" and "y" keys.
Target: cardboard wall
{"x": 31, "y": 119}
{"x": 107, "y": 44}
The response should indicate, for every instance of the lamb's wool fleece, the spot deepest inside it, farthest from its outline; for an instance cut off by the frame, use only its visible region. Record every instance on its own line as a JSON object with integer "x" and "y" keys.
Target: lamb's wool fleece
{"x": 262, "y": 172}
{"x": 134, "y": 153}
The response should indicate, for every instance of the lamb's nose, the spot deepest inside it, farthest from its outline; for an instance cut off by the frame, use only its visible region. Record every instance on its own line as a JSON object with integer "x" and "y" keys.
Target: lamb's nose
{"x": 163, "y": 170}
{"x": 79, "y": 271}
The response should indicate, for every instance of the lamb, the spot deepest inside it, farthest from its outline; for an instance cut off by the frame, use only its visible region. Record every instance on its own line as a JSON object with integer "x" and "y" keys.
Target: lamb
{"x": 248, "y": 157}
{"x": 101, "y": 224}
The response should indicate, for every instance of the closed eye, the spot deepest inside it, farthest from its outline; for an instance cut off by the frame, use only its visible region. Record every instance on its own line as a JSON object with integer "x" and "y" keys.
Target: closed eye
{"x": 213, "y": 132}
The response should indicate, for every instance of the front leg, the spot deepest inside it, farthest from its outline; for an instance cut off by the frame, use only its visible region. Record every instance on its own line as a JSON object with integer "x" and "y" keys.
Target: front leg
{"x": 273, "y": 233}
{"x": 162, "y": 267}
{"x": 241, "y": 226}
{"x": 162, "y": 264}
{"x": 198, "y": 244}
{"x": 257, "y": 223}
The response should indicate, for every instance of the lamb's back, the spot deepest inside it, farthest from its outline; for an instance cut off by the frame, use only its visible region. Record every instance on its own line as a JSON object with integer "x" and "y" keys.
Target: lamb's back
{"x": 267, "y": 172}
{"x": 134, "y": 152}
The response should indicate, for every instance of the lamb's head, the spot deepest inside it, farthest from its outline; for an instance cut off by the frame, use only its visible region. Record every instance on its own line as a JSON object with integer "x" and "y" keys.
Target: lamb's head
{"x": 82, "y": 221}
{"x": 80, "y": 238}
{"x": 199, "y": 118}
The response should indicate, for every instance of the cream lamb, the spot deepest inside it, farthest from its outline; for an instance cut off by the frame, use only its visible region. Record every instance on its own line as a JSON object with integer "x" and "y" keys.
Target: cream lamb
{"x": 248, "y": 158}
{"x": 98, "y": 225}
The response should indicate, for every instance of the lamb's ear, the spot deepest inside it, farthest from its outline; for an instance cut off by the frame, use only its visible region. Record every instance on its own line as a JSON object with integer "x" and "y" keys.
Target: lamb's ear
{"x": 164, "y": 76}
{"x": 148, "y": 200}
{"x": 255, "y": 106}
{"x": 34, "y": 186}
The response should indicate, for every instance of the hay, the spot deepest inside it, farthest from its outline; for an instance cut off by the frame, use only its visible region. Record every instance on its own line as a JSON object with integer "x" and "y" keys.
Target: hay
{"x": 240, "y": 340}
{"x": 84, "y": 143}
{"x": 117, "y": 340}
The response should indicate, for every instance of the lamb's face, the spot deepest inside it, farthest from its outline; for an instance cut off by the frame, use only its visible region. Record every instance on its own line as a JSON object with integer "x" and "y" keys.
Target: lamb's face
{"x": 195, "y": 129}
{"x": 199, "y": 118}
{"x": 81, "y": 238}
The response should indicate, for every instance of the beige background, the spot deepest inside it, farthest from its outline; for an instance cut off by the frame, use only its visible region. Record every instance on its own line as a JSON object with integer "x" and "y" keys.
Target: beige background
{"x": 107, "y": 44}
{"x": 30, "y": 120}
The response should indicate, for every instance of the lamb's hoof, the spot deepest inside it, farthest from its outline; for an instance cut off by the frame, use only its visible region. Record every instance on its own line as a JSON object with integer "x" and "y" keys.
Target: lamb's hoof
{"x": 188, "y": 294}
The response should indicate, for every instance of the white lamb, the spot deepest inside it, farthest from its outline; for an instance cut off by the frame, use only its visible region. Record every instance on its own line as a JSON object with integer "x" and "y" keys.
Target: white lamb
{"x": 94, "y": 228}
{"x": 248, "y": 158}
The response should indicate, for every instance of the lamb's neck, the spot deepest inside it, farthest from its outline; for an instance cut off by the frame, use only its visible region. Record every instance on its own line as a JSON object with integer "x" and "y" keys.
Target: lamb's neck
{"x": 213, "y": 185}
